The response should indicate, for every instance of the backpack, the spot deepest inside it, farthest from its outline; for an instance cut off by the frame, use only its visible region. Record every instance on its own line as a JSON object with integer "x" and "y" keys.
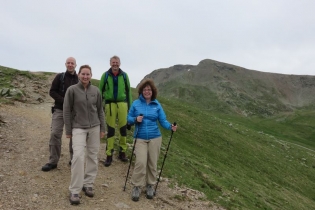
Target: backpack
{"x": 126, "y": 86}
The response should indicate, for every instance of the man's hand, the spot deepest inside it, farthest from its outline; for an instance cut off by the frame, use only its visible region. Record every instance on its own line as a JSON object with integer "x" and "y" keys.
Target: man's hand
{"x": 102, "y": 134}
{"x": 69, "y": 136}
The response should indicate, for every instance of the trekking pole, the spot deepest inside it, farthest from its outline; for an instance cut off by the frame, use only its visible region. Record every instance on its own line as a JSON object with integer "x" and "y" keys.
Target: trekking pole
{"x": 133, "y": 149}
{"x": 164, "y": 159}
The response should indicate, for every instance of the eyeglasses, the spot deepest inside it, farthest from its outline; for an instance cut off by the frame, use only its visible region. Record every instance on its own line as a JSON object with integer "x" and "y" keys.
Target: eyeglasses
{"x": 147, "y": 90}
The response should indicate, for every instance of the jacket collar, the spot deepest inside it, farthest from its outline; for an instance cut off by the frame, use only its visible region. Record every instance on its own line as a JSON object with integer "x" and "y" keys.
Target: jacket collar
{"x": 110, "y": 71}
{"x": 142, "y": 99}
{"x": 81, "y": 85}
{"x": 68, "y": 74}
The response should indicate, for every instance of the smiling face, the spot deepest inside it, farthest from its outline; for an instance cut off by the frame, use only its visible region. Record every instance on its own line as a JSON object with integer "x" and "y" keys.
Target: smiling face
{"x": 85, "y": 75}
{"x": 147, "y": 93}
{"x": 70, "y": 65}
{"x": 147, "y": 89}
{"x": 115, "y": 64}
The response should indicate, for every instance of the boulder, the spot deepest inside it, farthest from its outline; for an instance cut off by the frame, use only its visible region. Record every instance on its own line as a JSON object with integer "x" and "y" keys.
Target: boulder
{"x": 4, "y": 91}
{"x": 15, "y": 92}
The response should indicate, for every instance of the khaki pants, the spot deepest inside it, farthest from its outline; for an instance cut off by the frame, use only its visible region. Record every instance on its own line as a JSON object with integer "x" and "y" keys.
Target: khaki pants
{"x": 147, "y": 154}
{"x": 79, "y": 176}
{"x": 57, "y": 124}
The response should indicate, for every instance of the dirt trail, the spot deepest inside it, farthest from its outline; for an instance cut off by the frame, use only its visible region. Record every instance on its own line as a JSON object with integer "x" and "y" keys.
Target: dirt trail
{"x": 24, "y": 149}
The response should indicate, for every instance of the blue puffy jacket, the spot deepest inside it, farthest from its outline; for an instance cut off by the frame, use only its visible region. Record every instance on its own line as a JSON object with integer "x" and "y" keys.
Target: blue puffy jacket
{"x": 152, "y": 112}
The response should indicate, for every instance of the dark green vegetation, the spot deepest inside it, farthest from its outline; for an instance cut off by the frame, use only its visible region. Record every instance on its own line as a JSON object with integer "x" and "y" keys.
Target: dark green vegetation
{"x": 239, "y": 162}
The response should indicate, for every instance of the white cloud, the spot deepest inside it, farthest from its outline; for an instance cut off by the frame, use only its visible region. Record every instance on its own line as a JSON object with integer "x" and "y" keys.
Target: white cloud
{"x": 274, "y": 36}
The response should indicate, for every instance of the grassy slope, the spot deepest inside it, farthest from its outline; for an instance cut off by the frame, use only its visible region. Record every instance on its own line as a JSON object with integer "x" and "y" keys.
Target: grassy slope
{"x": 7, "y": 75}
{"x": 238, "y": 162}
{"x": 241, "y": 163}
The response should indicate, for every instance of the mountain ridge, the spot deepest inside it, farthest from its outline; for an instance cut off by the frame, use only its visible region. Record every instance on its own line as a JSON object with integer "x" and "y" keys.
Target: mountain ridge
{"x": 243, "y": 90}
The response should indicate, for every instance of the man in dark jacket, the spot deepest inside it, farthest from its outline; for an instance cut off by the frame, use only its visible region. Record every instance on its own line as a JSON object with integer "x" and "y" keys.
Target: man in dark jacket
{"x": 57, "y": 91}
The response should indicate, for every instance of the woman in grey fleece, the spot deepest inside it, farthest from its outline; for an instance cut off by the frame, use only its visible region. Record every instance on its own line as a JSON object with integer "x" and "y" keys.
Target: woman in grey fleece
{"x": 84, "y": 121}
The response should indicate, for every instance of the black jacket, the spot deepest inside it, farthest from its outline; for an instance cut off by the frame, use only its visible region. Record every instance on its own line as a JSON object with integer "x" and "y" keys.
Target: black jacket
{"x": 57, "y": 85}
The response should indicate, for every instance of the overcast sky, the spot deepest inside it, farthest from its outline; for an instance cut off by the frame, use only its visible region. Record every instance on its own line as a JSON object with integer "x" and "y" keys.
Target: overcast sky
{"x": 265, "y": 35}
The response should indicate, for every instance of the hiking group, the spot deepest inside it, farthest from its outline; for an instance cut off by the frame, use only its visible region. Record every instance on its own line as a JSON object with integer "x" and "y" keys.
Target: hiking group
{"x": 83, "y": 109}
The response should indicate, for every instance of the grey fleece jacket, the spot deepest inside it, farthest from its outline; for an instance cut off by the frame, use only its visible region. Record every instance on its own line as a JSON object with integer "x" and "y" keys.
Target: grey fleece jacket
{"x": 83, "y": 108}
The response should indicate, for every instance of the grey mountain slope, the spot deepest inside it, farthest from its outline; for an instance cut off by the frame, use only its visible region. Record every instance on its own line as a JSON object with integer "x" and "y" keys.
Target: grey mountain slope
{"x": 242, "y": 90}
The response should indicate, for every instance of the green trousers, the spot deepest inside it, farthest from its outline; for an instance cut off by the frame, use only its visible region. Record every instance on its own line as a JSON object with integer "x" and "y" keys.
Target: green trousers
{"x": 116, "y": 113}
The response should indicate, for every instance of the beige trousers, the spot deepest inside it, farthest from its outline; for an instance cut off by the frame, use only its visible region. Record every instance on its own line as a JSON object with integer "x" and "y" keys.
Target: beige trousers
{"x": 90, "y": 139}
{"x": 147, "y": 154}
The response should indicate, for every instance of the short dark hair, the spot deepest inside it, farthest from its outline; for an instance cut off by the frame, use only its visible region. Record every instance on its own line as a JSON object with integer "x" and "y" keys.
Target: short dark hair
{"x": 85, "y": 66}
{"x": 148, "y": 82}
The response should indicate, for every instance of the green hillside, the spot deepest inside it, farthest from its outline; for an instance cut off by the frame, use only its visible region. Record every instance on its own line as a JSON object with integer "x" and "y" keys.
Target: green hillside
{"x": 227, "y": 100}
{"x": 243, "y": 163}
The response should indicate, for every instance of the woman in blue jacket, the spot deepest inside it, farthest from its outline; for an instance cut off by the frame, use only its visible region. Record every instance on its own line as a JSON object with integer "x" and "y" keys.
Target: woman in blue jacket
{"x": 145, "y": 112}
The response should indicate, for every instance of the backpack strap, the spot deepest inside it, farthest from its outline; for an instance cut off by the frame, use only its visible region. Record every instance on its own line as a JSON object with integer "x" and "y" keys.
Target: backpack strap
{"x": 62, "y": 80}
{"x": 125, "y": 80}
{"x": 105, "y": 81}
{"x": 127, "y": 90}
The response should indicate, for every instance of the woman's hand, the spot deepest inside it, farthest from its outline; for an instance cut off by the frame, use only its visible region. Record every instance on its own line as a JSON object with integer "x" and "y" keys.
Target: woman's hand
{"x": 174, "y": 127}
{"x": 69, "y": 136}
{"x": 139, "y": 118}
{"x": 102, "y": 134}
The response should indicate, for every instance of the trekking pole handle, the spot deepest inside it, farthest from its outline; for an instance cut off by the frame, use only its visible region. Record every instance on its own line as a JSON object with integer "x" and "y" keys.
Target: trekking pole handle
{"x": 137, "y": 119}
{"x": 174, "y": 124}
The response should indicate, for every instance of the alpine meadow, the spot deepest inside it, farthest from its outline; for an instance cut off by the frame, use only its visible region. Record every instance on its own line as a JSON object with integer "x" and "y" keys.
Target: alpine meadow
{"x": 245, "y": 138}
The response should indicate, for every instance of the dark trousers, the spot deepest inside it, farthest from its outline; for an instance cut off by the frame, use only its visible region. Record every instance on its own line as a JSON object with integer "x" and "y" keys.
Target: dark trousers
{"x": 57, "y": 125}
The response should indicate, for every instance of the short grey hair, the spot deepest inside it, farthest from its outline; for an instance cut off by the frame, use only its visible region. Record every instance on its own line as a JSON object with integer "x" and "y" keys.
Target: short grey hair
{"x": 114, "y": 57}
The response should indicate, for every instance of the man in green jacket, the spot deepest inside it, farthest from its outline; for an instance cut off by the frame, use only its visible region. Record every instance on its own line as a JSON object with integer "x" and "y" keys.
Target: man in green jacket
{"x": 115, "y": 89}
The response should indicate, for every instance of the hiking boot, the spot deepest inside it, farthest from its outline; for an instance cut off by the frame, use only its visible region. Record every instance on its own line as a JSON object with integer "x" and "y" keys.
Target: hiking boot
{"x": 122, "y": 157}
{"x": 108, "y": 161}
{"x": 149, "y": 191}
{"x": 88, "y": 191}
{"x": 71, "y": 157}
{"x": 49, "y": 166}
{"x": 135, "y": 193}
{"x": 74, "y": 199}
